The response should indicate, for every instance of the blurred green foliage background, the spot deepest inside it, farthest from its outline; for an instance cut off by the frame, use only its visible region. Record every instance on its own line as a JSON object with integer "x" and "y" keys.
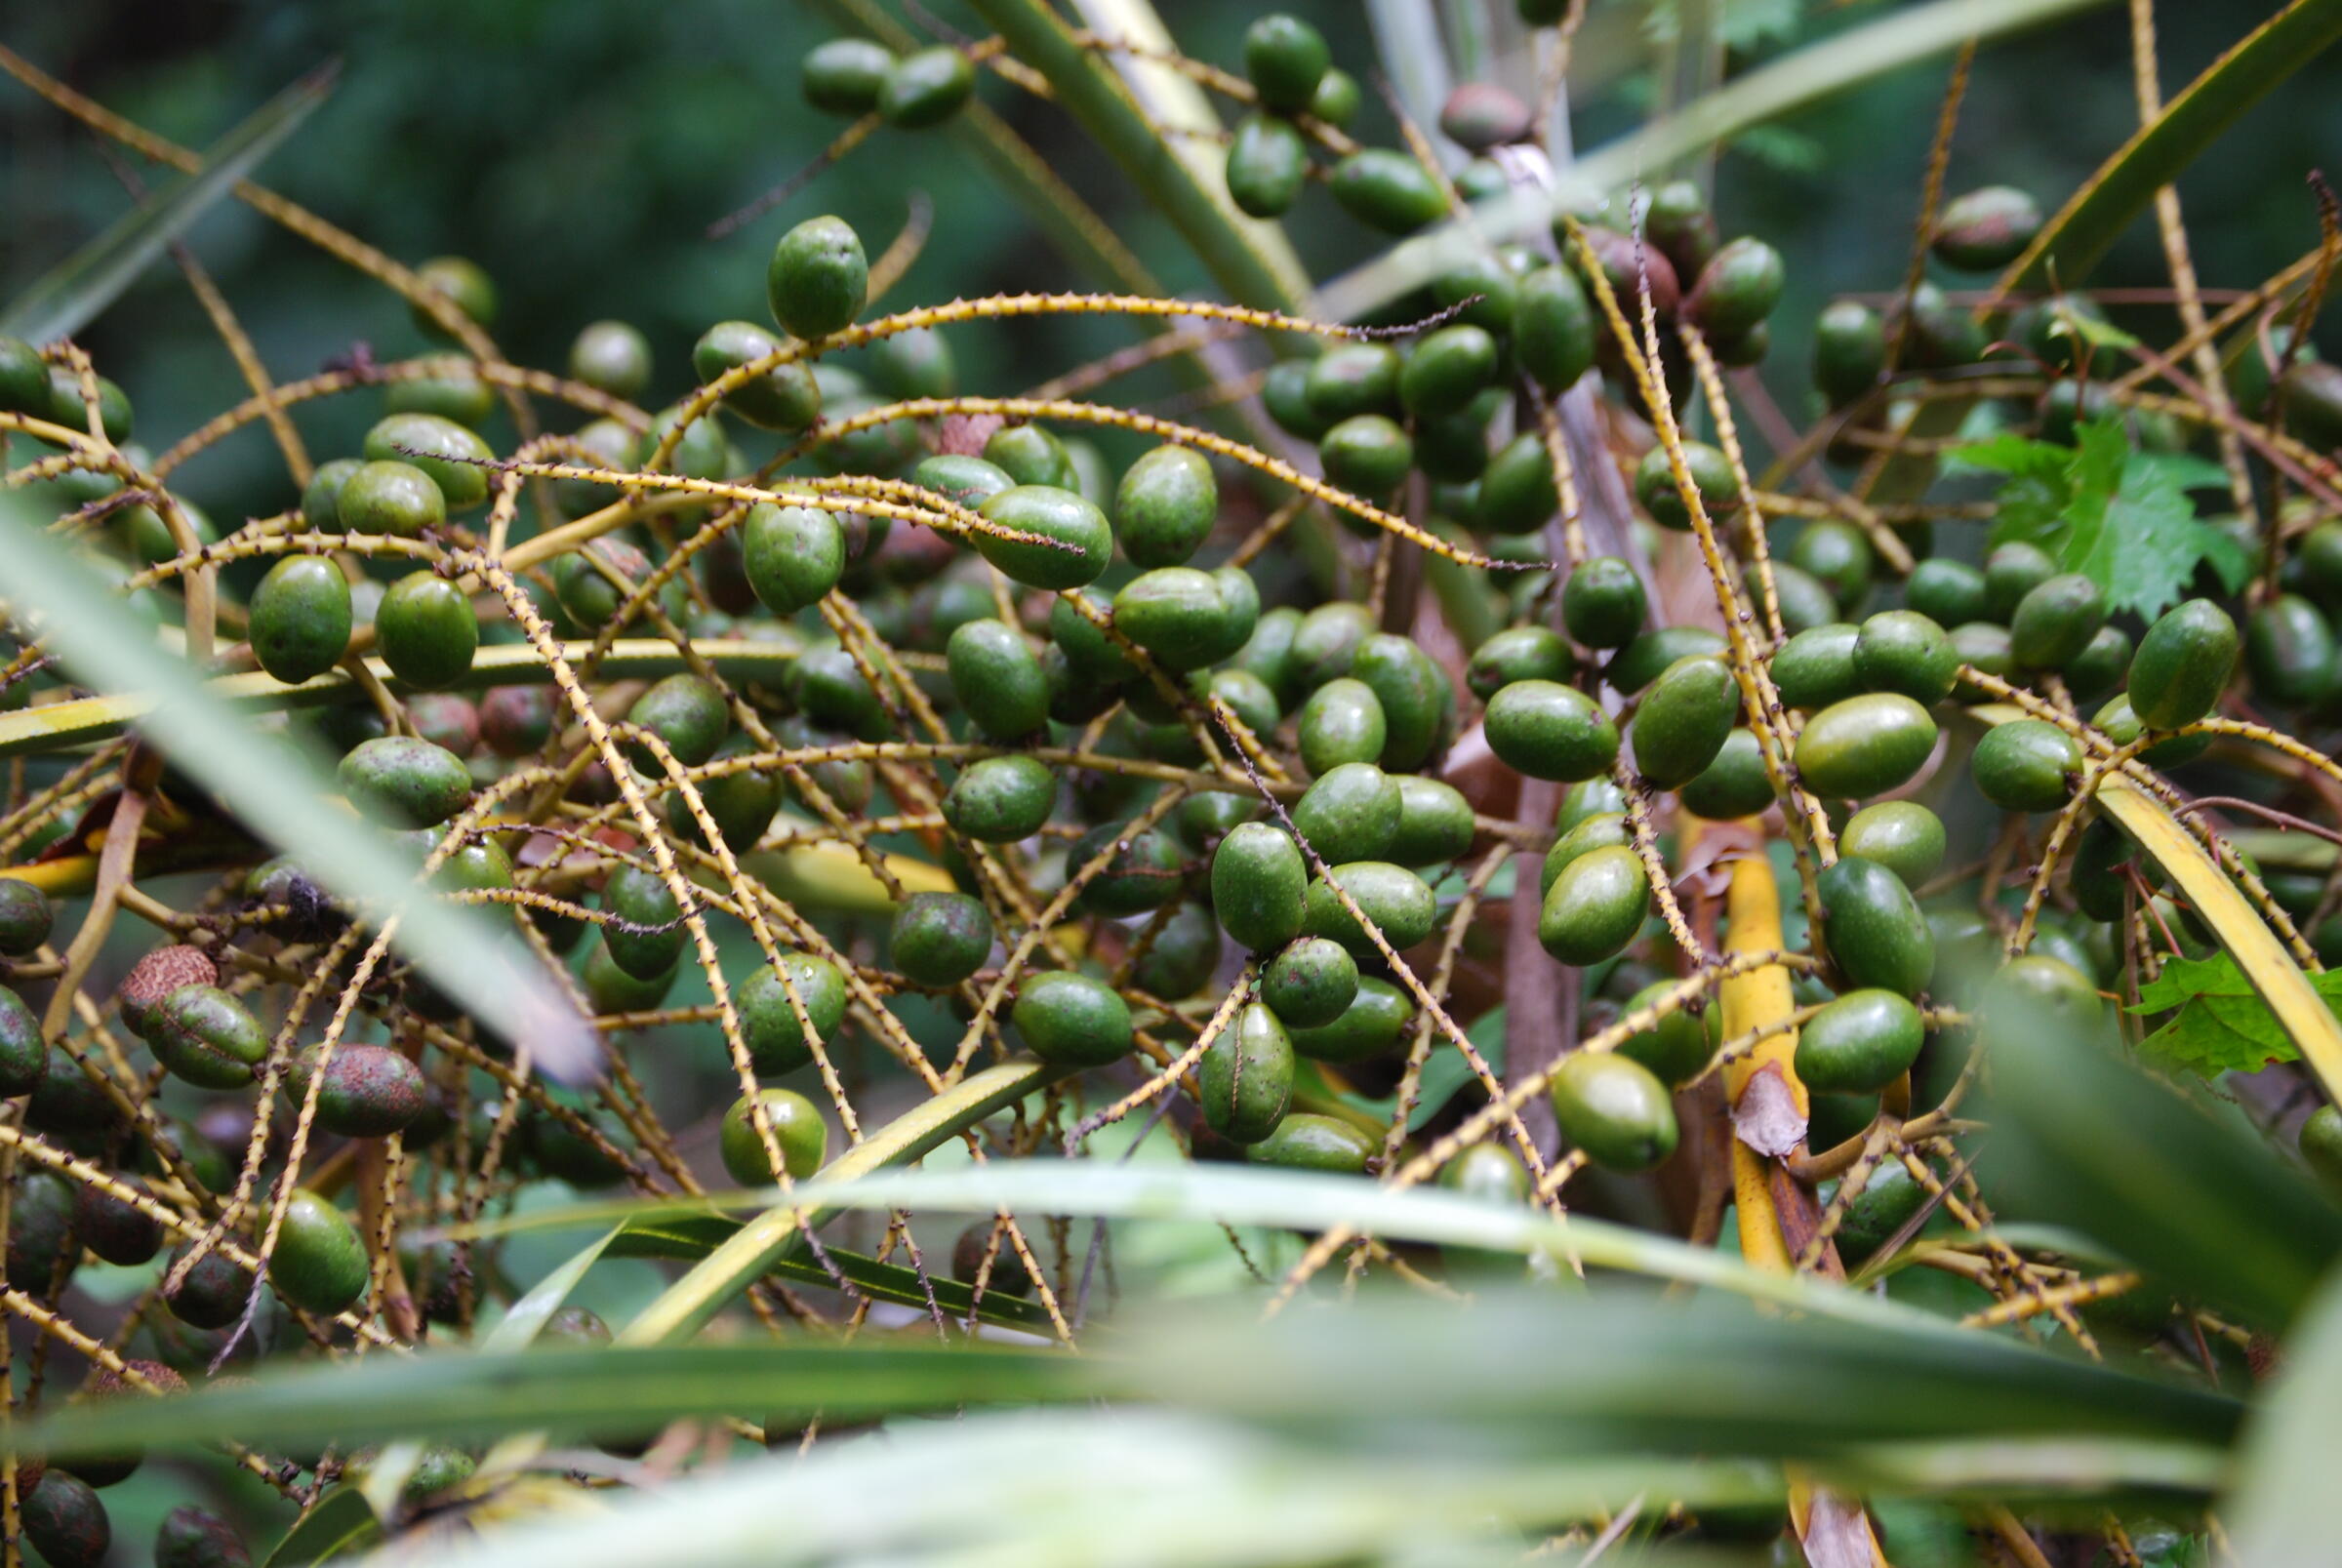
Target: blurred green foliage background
{"x": 578, "y": 148}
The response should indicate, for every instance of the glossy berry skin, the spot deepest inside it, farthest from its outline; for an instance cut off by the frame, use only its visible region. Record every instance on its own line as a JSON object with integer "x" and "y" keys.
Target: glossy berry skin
{"x": 1521, "y": 653}
{"x": 301, "y": 619}
{"x": 1684, "y": 720}
{"x": 794, "y": 555}
{"x": 1737, "y": 289}
{"x": 1394, "y": 900}
{"x": 1903, "y": 651}
{"x": 844, "y": 75}
{"x": 2183, "y": 664}
{"x": 1711, "y": 474}
{"x": 1072, "y": 1021}
{"x": 1902, "y": 835}
{"x": 818, "y": 278}
{"x": 1872, "y": 929}
{"x": 798, "y": 1127}
{"x": 2055, "y": 621}
{"x": 996, "y": 679}
{"x": 774, "y": 1035}
{"x": 785, "y": 397}
{"x": 1311, "y": 983}
{"x": 1260, "y": 885}
{"x": 1595, "y": 906}
{"x": 1614, "y": 1110}
{"x": 461, "y": 282}
{"x": 320, "y": 1263}
{"x": 1986, "y": 228}
{"x": 688, "y": 713}
{"x": 1000, "y": 800}
{"x": 613, "y": 357}
{"x": 1082, "y": 542}
{"x": 1165, "y": 506}
{"x": 1367, "y": 455}
{"x": 940, "y": 939}
{"x": 1734, "y": 785}
{"x": 639, "y": 898}
{"x": 1849, "y": 351}
{"x": 204, "y": 1037}
{"x": 1268, "y": 165}
{"x": 1286, "y": 59}
{"x": 2026, "y": 765}
{"x": 1549, "y": 731}
{"x": 1859, "y": 1043}
{"x": 25, "y": 917}
{"x": 23, "y": 1054}
{"x": 403, "y": 781}
{"x": 450, "y": 454}
{"x": 2291, "y": 652}
{"x": 1307, "y": 1142}
{"x": 63, "y": 1517}
{"x": 1677, "y": 1047}
{"x": 1245, "y": 1079}
{"x": 1603, "y": 603}
{"x": 925, "y": 88}
{"x": 391, "y": 498}
{"x": 1865, "y": 746}
{"x": 1389, "y": 191}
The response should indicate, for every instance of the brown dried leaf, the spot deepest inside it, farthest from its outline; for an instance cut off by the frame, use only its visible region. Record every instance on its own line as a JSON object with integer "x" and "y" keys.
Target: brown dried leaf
{"x": 1766, "y": 1116}
{"x": 1838, "y": 1533}
{"x": 1705, "y": 870}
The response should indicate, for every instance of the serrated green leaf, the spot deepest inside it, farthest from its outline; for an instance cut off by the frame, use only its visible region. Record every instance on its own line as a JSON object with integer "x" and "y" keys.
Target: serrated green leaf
{"x": 68, "y": 297}
{"x": 2220, "y": 1023}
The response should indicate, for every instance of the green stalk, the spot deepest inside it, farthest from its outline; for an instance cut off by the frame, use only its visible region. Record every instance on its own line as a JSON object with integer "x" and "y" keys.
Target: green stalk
{"x": 1253, "y": 271}
{"x": 690, "y": 1302}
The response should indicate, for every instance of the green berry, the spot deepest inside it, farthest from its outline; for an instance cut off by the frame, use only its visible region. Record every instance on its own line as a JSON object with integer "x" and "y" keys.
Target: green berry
{"x": 320, "y": 1265}
{"x": 818, "y": 279}
{"x": 776, "y": 1037}
{"x": 1677, "y": 1047}
{"x": 1734, "y": 785}
{"x": 390, "y": 498}
{"x": 2183, "y": 664}
{"x": 1267, "y": 164}
{"x": 794, "y": 555}
{"x": 2026, "y": 765}
{"x": 1389, "y": 191}
{"x": 427, "y": 630}
{"x": 996, "y": 679}
{"x": 25, "y": 917}
{"x": 1245, "y": 1079}
{"x": 1075, "y": 543}
{"x": 1986, "y": 228}
{"x": 403, "y": 781}
{"x": 452, "y": 456}
{"x": 1603, "y": 603}
{"x": 645, "y": 935}
{"x": 301, "y": 619}
{"x": 612, "y": 357}
{"x": 1286, "y": 59}
{"x": 1684, "y": 719}
{"x": 1072, "y": 1021}
{"x": 925, "y": 88}
{"x": 1872, "y": 928}
{"x": 204, "y": 1037}
{"x": 1613, "y": 1108}
{"x": 1373, "y": 1025}
{"x": 784, "y": 398}
{"x": 1549, "y": 731}
{"x": 1864, "y": 745}
{"x": 1311, "y": 983}
{"x": 1000, "y": 800}
{"x": 845, "y": 76}
{"x": 797, "y": 1128}
{"x": 1737, "y": 288}
{"x": 1849, "y": 351}
{"x": 1902, "y": 835}
{"x": 1307, "y": 1142}
{"x": 460, "y": 282}
{"x": 1859, "y": 1043}
{"x": 2055, "y": 621}
{"x": 1392, "y": 899}
{"x": 1595, "y": 906}
{"x": 940, "y": 939}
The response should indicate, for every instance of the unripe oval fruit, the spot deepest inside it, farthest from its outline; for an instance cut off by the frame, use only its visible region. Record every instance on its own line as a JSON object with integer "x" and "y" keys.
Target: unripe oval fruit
{"x": 1614, "y": 1110}
{"x": 1393, "y": 898}
{"x": 1902, "y": 835}
{"x": 926, "y": 86}
{"x": 1328, "y": 639}
{"x": 1143, "y": 872}
{"x": 1552, "y": 327}
{"x": 23, "y": 1053}
{"x": 1435, "y": 821}
{"x": 1367, "y": 455}
{"x": 613, "y": 356}
{"x": 956, "y": 476}
{"x": 1416, "y": 697}
{"x": 63, "y": 1517}
{"x": 2321, "y": 1144}
{"x": 1000, "y": 800}
{"x": 818, "y": 278}
{"x": 1350, "y": 813}
{"x": 1839, "y": 556}
{"x": 2036, "y": 993}
{"x": 1260, "y": 885}
{"x": 1903, "y": 651}
{"x": 426, "y": 631}
{"x": 454, "y": 457}
{"x": 1372, "y": 1024}
{"x": 1734, "y": 785}
{"x": 1872, "y": 927}
{"x": 1549, "y": 731}
{"x": 1603, "y": 603}
{"x": 404, "y": 782}
{"x": 1307, "y": 1142}
{"x": 2291, "y": 650}
{"x": 1085, "y": 541}
{"x": 1033, "y": 454}
{"x": 1737, "y": 289}
{"x": 1386, "y": 189}
{"x": 996, "y": 679}
{"x": 1806, "y": 603}
{"x": 204, "y": 1037}
{"x": 688, "y": 713}
{"x": 1849, "y": 351}
{"x": 1245, "y": 1079}
{"x": 1595, "y": 906}
{"x": 1165, "y": 506}
{"x": 1267, "y": 164}
{"x": 636, "y": 897}
{"x": 1859, "y": 1043}
{"x": 320, "y": 1264}
{"x": 1606, "y": 829}
{"x": 2026, "y": 765}
{"x": 2055, "y": 621}
{"x": 797, "y": 1128}
{"x": 25, "y": 917}
{"x": 611, "y": 989}
{"x": 939, "y": 939}
{"x": 1980, "y": 230}
{"x": 2184, "y": 666}
{"x": 1447, "y": 369}
{"x": 1684, "y": 719}
{"x": 1815, "y": 669}
{"x": 1517, "y": 493}
{"x": 154, "y": 976}
{"x": 1679, "y": 1046}
{"x": 301, "y": 619}
{"x": 1865, "y": 746}
{"x": 1342, "y": 722}
{"x": 776, "y": 1038}
{"x": 1951, "y": 593}
{"x": 1311, "y": 983}
{"x": 794, "y": 555}
{"x": 1711, "y": 475}
{"x": 2098, "y": 669}
{"x": 190, "y": 1538}
{"x": 1521, "y": 653}
{"x": 1184, "y": 956}
{"x": 785, "y": 397}
{"x": 1180, "y": 616}
{"x": 2010, "y": 572}
{"x": 1286, "y": 59}
{"x": 1352, "y": 379}
{"x": 390, "y": 498}
{"x": 1646, "y": 658}
{"x": 1072, "y": 1020}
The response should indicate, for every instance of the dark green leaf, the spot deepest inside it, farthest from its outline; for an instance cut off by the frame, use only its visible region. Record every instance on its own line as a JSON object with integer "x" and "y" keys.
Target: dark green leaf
{"x": 2219, "y": 1022}
{"x": 340, "y": 1524}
